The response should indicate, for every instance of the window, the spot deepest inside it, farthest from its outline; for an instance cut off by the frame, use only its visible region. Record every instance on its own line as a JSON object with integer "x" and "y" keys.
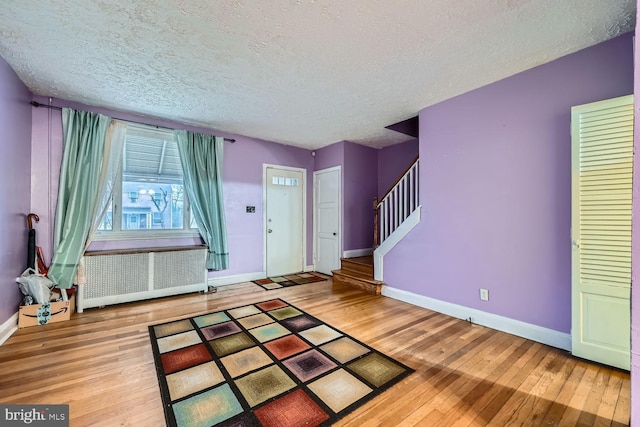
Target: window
{"x": 148, "y": 199}
{"x": 280, "y": 180}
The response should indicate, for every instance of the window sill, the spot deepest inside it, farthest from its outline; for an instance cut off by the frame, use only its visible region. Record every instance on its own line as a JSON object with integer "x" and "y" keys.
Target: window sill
{"x": 144, "y": 235}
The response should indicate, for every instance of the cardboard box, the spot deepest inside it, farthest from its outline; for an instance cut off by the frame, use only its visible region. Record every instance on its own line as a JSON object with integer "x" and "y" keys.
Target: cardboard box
{"x": 59, "y": 312}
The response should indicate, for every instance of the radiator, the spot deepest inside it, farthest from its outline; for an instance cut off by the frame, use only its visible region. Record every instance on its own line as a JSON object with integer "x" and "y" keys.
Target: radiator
{"x": 114, "y": 277}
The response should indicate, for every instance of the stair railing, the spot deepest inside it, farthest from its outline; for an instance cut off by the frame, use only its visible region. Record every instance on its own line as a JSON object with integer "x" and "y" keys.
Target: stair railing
{"x": 396, "y": 205}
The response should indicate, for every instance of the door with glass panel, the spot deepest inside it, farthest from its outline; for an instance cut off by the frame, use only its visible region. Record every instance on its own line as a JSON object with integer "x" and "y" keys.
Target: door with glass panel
{"x": 284, "y": 221}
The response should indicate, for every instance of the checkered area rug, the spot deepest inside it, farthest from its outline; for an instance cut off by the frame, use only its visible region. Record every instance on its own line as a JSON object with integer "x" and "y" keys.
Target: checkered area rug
{"x": 278, "y": 282}
{"x": 268, "y": 364}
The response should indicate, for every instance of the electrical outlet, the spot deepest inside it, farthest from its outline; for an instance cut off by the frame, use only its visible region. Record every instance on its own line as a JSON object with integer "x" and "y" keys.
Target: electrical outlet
{"x": 484, "y": 294}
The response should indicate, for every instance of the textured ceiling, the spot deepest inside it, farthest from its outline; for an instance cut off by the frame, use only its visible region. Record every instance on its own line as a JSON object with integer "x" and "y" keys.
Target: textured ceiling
{"x": 304, "y": 73}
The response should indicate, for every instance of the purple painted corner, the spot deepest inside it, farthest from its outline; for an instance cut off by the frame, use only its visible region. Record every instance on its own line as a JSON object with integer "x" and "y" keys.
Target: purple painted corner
{"x": 360, "y": 187}
{"x": 15, "y": 185}
{"x": 393, "y": 161}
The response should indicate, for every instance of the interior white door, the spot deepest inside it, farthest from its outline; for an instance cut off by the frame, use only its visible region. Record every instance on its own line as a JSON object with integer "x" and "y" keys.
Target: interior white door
{"x": 602, "y": 167}
{"x": 327, "y": 219}
{"x": 284, "y": 221}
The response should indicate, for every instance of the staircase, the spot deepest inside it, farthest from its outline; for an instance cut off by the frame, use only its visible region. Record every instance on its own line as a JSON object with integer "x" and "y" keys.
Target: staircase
{"x": 358, "y": 273}
{"x": 395, "y": 215}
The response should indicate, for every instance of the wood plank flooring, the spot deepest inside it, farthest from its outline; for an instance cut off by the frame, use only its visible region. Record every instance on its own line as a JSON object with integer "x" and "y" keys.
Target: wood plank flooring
{"x": 100, "y": 363}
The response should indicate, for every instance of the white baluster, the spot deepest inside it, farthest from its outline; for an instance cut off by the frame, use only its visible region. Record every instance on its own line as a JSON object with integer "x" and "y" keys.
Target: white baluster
{"x": 395, "y": 209}
{"x": 405, "y": 198}
{"x": 411, "y": 185}
{"x": 401, "y": 210}
{"x": 381, "y": 220}
{"x": 417, "y": 167}
{"x": 385, "y": 215}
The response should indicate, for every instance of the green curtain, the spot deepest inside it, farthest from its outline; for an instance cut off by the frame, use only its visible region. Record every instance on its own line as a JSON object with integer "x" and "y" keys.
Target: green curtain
{"x": 201, "y": 157}
{"x": 111, "y": 169}
{"x": 78, "y": 193}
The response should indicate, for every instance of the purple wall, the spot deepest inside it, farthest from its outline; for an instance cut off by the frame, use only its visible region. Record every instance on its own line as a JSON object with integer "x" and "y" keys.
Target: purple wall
{"x": 330, "y": 156}
{"x": 360, "y": 185}
{"x": 635, "y": 250}
{"x": 392, "y": 161}
{"x": 15, "y": 183}
{"x": 46, "y": 157}
{"x": 242, "y": 187}
{"x": 495, "y": 189}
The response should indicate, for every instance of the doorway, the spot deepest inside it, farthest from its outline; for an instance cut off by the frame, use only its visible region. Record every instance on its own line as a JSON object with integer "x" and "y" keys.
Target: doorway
{"x": 284, "y": 220}
{"x": 327, "y": 219}
{"x": 601, "y": 205}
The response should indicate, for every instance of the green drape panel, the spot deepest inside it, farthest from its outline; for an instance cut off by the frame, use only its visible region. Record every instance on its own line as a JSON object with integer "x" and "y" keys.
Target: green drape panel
{"x": 201, "y": 157}
{"x": 82, "y": 162}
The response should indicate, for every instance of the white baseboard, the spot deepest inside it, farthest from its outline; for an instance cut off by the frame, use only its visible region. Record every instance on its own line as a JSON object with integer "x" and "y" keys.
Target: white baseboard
{"x": 354, "y": 253}
{"x": 511, "y": 326}
{"x": 238, "y": 278}
{"x": 8, "y": 328}
{"x": 309, "y": 268}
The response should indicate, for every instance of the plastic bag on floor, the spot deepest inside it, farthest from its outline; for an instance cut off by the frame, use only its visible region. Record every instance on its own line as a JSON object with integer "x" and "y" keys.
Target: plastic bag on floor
{"x": 36, "y": 285}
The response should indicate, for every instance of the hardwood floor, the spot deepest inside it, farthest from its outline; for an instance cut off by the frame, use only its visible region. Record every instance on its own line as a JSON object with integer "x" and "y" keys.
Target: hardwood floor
{"x": 100, "y": 363}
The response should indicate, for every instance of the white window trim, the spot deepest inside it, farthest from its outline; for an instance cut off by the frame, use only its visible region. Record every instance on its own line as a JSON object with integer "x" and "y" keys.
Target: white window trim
{"x": 143, "y": 234}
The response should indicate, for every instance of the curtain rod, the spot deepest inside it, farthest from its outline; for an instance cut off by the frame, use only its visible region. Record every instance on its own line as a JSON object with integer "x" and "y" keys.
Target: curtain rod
{"x": 37, "y": 104}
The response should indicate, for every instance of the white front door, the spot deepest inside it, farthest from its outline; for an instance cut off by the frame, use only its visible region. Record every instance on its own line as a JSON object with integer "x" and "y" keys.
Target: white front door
{"x": 602, "y": 168}
{"x": 284, "y": 220}
{"x": 327, "y": 219}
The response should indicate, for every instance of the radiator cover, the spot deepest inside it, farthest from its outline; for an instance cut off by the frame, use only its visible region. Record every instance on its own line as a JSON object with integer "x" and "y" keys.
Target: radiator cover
{"x": 123, "y": 276}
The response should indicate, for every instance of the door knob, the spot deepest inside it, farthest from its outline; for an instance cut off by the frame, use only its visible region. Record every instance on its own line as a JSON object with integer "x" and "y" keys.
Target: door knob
{"x": 269, "y": 231}
{"x": 335, "y": 234}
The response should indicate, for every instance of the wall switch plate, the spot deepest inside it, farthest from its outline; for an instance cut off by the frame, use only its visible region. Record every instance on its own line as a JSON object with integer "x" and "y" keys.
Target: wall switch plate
{"x": 484, "y": 294}
{"x": 251, "y": 209}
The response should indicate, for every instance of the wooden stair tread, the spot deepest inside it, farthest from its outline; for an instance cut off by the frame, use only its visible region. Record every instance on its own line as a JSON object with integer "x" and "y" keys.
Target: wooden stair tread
{"x": 358, "y": 280}
{"x": 357, "y": 275}
{"x": 362, "y": 265}
{"x": 364, "y": 260}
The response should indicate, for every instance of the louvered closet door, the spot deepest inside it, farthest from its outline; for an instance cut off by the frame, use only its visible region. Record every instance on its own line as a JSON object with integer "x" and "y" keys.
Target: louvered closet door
{"x": 602, "y": 166}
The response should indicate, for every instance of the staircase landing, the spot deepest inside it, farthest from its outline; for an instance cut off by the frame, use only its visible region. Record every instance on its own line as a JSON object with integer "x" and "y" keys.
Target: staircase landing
{"x": 358, "y": 273}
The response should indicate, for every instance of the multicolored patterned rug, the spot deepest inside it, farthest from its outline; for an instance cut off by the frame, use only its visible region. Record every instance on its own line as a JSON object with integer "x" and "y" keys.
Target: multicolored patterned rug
{"x": 271, "y": 283}
{"x": 268, "y": 364}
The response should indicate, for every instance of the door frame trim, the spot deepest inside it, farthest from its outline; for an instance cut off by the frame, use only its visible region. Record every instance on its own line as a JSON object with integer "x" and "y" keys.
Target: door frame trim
{"x": 266, "y": 166}
{"x": 315, "y": 204}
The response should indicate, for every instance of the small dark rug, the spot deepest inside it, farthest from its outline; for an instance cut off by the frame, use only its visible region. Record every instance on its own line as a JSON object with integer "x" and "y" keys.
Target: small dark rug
{"x": 264, "y": 364}
{"x": 278, "y": 282}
